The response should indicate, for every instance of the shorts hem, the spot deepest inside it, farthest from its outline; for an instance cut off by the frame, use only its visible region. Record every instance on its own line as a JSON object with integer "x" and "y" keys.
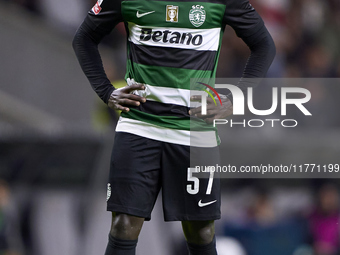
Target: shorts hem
{"x": 128, "y": 210}
{"x": 192, "y": 218}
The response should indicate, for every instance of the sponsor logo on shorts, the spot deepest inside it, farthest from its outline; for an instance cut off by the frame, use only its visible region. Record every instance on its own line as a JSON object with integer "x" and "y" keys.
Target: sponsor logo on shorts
{"x": 108, "y": 193}
{"x": 201, "y": 204}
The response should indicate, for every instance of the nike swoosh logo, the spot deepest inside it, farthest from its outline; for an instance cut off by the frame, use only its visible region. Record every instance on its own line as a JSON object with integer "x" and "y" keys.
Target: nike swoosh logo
{"x": 200, "y": 204}
{"x": 139, "y": 15}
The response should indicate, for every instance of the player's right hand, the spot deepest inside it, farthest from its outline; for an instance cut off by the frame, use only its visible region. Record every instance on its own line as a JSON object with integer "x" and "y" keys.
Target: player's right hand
{"x": 121, "y": 98}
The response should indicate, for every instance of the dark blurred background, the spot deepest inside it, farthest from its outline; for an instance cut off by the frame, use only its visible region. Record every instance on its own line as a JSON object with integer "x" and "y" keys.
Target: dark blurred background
{"x": 56, "y": 137}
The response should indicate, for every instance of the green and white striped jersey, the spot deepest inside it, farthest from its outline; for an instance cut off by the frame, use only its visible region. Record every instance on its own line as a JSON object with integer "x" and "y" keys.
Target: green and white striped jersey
{"x": 169, "y": 43}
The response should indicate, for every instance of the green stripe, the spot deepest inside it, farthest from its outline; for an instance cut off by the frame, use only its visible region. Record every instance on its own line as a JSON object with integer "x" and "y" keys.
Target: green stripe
{"x": 218, "y": 140}
{"x": 214, "y": 13}
{"x": 164, "y": 76}
{"x": 171, "y": 122}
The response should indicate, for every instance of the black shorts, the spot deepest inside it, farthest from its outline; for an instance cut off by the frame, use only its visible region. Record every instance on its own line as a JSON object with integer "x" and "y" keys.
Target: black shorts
{"x": 140, "y": 167}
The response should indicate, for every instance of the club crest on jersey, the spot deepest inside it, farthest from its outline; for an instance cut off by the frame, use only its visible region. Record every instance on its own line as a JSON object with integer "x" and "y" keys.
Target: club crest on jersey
{"x": 197, "y": 15}
{"x": 172, "y": 13}
{"x": 96, "y": 8}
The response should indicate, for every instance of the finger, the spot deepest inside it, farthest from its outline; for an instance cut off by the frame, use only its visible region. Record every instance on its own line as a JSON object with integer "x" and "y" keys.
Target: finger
{"x": 128, "y": 102}
{"x": 122, "y": 108}
{"x": 212, "y": 112}
{"x": 210, "y": 100}
{"x": 209, "y": 111}
{"x": 196, "y": 98}
{"x": 213, "y": 107}
{"x": 204, "y": 116}
{"x": 209, "y": 120}
{"x": 194, "y": 111}
{"x": 199, "y": 99}
{"x": 135, "y": 86}
{"x": 135, "y": 97}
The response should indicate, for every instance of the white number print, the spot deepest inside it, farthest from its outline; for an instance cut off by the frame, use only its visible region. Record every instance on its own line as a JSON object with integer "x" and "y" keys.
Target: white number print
{"x": 194, "y": 187}
{"x": 210, "y": 183}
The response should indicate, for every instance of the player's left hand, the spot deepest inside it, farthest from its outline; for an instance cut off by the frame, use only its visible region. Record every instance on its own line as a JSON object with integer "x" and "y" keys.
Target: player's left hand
{"x": 213, "y": 111}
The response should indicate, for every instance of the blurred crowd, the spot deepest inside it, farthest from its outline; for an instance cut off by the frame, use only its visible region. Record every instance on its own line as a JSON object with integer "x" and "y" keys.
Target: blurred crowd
{"x": 306, "y": 34}
{"x": 311, "y": 228}
{"x": 10, "y": 234}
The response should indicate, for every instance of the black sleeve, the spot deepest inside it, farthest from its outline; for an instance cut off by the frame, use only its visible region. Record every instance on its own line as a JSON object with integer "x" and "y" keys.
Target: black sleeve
{"x": 242, "y": 17}
{"x": 98, "y": 23}
{"x": 249, "y": 26}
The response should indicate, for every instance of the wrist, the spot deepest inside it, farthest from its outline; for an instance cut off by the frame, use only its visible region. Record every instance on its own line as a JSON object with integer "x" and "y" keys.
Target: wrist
{"x": 108, "y": 95}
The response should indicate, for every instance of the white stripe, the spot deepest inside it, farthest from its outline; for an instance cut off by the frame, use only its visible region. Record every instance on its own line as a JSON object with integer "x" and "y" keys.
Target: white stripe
{"x": 183, "y": 137}
{"x": 166, "y": 95}
{"x": 211, "y": 37}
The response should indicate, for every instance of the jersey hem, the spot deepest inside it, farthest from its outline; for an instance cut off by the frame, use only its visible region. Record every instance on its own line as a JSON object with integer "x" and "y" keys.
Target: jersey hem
{"x": 191, "y": 217}
{"x": 205, "y": 139}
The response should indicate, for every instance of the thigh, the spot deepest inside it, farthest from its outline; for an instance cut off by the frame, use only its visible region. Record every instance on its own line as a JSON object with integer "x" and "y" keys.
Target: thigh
{"x": 134, "y": 180}
{"x": 187, "y": 195}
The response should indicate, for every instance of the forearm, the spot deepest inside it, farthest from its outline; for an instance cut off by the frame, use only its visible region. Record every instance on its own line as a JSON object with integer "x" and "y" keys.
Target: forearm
{"x": 85, "y": 46}
{"x": 262, "y": 54}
